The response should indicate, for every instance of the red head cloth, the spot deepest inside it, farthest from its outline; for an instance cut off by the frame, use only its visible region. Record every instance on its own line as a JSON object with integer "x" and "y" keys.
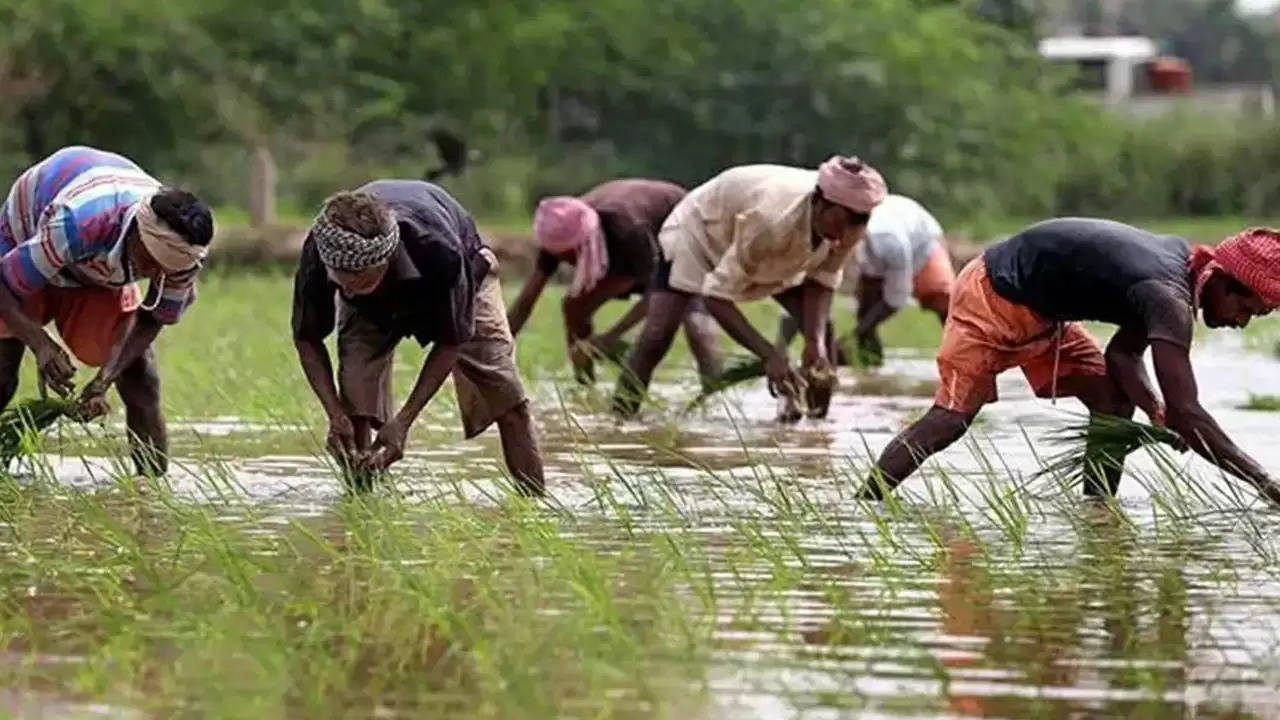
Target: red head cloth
{"x": 565, "y": 224}
{"x": 852, "y": 183}
{"x": 1252, "y": 257}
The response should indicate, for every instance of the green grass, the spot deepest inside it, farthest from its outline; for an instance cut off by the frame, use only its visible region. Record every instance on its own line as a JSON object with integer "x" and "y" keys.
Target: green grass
{"x": 1208, "y": 229}
{"x": 1256, "y": 401}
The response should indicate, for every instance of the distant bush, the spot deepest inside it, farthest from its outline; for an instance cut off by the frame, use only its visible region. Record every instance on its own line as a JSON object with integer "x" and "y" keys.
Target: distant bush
{"x": 1174, "y": 165}
{"x": 553, "y": 96}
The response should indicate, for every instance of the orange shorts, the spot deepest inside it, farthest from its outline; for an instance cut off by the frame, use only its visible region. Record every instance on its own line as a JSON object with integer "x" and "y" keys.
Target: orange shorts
{"x": 89, "y": 320}
{"x": 986, "y": 334}
{"x": 937, "y": 276}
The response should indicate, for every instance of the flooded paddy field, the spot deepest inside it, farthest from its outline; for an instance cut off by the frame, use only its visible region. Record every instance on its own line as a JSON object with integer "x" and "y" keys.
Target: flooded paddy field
{"x": 709, "y": 565}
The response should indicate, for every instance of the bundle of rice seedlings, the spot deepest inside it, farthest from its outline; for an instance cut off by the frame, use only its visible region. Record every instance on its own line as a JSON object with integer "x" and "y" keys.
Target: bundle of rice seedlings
{"x": 820, "y": 383}
{"x": 739, "y": 368}
{"x": 858, "y": 356}
{"x": 359, "y": 478}
{"x": 1256, "y": 401}
{"x": 615, "y": 353}
{"x": 28, "y": 418}
{"x": 1098, "y": 444}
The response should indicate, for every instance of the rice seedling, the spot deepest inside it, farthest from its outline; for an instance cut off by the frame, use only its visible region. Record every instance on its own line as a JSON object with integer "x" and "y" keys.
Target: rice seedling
{"x": 25, "y": 419}
{"x": 738, "y": 368}
{"x": 858, "y": 355}
{"x": 1100, "y": 444}
{"x": 1264, "y": 402}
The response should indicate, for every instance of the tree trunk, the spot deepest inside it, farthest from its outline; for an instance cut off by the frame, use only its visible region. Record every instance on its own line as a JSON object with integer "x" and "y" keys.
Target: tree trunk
{"x": 262, "y": 188}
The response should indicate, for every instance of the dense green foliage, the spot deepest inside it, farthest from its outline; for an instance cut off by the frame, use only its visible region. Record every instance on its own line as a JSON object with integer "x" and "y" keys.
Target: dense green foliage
{"x": 948, "y": 98}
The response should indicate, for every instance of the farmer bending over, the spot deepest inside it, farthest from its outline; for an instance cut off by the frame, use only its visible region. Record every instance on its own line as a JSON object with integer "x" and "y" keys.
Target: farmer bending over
{"x": 78, "y": 231}
{"x": 1019, "y": 306}
{"x": 610, "y": 236}
{"x": 752, "y": 232}
{"x": 903, "y": 256}
{"x": 394, "y": 259}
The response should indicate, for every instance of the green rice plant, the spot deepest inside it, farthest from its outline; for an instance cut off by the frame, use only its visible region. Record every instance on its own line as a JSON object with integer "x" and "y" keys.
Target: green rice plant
{"x": 858, "y": 355}
{"x": 739, "y": 368}
{"x": 1262, "y": 401}
{"x": 27, "y": 418}
{"x": 1098, "y": 444}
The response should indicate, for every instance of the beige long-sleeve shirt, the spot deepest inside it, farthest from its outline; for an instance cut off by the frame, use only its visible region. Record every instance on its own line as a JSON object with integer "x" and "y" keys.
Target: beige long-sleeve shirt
{"x": 747, "y": 234}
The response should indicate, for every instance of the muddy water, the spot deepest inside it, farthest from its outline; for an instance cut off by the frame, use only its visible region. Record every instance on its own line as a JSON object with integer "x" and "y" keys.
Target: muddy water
{"x": 1078, "y": 614}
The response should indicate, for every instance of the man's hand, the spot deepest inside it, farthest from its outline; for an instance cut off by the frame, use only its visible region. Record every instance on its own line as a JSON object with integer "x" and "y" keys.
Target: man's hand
{"x": 55, "y": 365}
{"x": 92, "y": 403}
{"x": 581, "y": 355}
{"x": 389, "y": 445}
{"x": 815, "y": 355}
{"x": 1156, "y": 414}
{"x": 341, "y": 438}
{"x": 783, "y": 379}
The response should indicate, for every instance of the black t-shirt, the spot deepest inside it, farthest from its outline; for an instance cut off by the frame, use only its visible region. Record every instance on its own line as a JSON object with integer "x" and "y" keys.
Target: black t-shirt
{"x": 432, "y": 299}
{"x": 631, "y": 214}
{"x": 1086, "y": 269}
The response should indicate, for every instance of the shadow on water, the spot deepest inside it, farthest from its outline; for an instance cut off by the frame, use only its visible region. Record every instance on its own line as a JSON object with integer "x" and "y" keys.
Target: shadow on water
{"x": 969, "y": 597}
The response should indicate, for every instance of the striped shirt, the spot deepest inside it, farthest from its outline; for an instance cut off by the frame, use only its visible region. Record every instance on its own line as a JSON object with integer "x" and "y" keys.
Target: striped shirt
{"x": 64, "y": 224}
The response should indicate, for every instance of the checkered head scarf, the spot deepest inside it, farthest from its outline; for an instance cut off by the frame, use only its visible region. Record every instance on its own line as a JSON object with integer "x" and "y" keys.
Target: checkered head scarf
{"x": 1252, "y": 257}
{"x": 344, "y": 249}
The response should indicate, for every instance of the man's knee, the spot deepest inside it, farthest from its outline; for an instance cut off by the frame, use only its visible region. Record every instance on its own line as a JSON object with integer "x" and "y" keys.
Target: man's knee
{"x": 938, "y": 429}
{"x": 139, "y": 384}
{"x": 1099, "y": 393}
{"x": 516, "y": 418}
{"x": 948, "y": 426}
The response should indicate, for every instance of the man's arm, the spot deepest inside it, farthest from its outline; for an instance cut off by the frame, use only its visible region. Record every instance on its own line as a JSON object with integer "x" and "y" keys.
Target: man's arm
{"x": 817, "y": 313}
{"x": 739, "y": 328}
{"x": 391, "y": 438}
{"x": 1125, "y": 366}
{"x": 55, "y": 365}
{"x": 578, "y": 310}
{"x": 143, "y": 330}
{"x": 318, "y": 369}
{"x": 27, "y": 269}
{"x": 529, "y": 294}
{"x": 873, "y": 317}
{"x": 892, "y": 258}
{"x": 1197, "y": 428}
{"x": 633, "y": 317}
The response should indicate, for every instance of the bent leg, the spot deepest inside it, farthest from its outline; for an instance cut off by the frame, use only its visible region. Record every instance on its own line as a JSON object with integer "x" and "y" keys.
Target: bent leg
{"x": 520, "y": 450}
{"x": 665, "y": 314}
{"x": 1101, "y": 396}
{"x": 700, "y": 331}
{"x": 1081, "y": 372}
{"x": 139, "y": 389}
{"x": 934, "y": 432}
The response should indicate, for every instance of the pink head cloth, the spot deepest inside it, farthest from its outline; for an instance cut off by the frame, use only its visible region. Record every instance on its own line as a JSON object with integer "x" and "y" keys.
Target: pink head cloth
{"x": 852, "y": 183}
{"x": 565, "y": 224}
{"x": 1252, "y": 257}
